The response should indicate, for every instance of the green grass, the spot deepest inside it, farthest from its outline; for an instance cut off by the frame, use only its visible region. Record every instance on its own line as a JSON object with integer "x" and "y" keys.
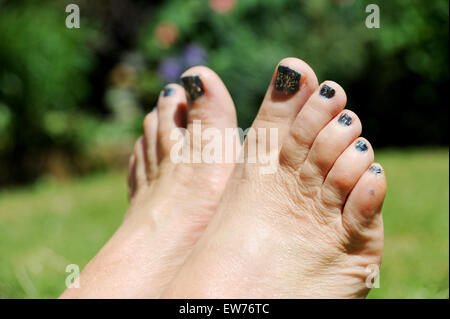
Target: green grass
{"x": 50, "y": 225}
{"x": 415, "y": 213}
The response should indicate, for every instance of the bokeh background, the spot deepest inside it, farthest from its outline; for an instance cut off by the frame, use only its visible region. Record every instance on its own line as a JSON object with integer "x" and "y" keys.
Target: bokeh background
{"x": 72, "y": 102}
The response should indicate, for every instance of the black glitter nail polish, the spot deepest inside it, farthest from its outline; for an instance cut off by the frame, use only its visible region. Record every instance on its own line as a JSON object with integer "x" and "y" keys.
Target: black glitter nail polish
{"x": 361, "y": 146}
{"x": 375, "y": 169}
{"x": 327, "y": 91}
{"x": 168, "y": 91}
{"x": 345, "y": 119}
{"x": 193, "y": 86}
{"x": 288, "y": 80}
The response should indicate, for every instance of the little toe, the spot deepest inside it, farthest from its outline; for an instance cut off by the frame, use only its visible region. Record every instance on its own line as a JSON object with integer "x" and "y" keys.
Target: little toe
{"x": 322, "y": 106}
{"x": 172, "y": 115}
{"x": 346, "y": 172}
{"x": 292, "y": 83}
{"x": 131, "y": 176}
{"x": 329, "y": 145}
{"x": 150, "y": 127}
{"x": 366, "y": 199}
{"x": 140, "y": 163}
{"x": 362, "y": 213}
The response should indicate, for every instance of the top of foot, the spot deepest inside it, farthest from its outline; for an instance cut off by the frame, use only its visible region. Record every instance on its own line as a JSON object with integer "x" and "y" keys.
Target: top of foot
{"x": 171, "y": 201}
{"x": 310, "y": 229}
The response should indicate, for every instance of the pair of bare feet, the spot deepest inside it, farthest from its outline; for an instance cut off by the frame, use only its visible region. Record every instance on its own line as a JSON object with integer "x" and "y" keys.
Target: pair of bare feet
{"x": 311, "y": 229}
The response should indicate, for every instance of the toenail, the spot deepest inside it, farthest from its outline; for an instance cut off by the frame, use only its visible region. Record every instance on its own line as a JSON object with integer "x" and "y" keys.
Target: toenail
{"x": 361, "y": 146}
{"x": 375, "y": 169}
{"x": 168, "y": 91}
{"x": 327, "y": 91}
{"x": 345, "y": 119}
{"x": 288, "y": 80}
{"x": 193, "y": 86}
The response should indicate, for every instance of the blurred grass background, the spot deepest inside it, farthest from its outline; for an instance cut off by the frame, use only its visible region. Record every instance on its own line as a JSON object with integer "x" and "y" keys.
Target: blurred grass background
{"x": 72, "y": 103}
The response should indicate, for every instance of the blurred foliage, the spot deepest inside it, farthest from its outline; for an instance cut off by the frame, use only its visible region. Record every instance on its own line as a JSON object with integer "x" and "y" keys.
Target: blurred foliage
{"x": 67, "y": 96}
{"x": 43, "y": 83}
{"x": 408, "y": 55}
{"x": 46, "y": 116}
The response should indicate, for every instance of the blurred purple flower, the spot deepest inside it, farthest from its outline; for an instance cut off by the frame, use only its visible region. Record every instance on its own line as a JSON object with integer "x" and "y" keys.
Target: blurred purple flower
{"x": 170, "y": 69}
{"x": 194, "y": 54}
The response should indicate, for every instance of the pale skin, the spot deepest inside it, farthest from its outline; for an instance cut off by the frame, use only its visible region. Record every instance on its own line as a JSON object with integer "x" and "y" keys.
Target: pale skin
{"x": 170, "y": 204}
{"x": 312, "y": 229}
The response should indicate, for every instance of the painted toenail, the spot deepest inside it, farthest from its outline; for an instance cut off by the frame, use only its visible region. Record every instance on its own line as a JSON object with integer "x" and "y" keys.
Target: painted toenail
{"x": 345, "y": 119}
{"x": 375, "y": 169}
{"x": 327, "y": 91}
{"x": 193, "y": 86}
{"x": 288, "y": 80}
{"x": 361, "y": 146}
{"x": 168, "y": 91}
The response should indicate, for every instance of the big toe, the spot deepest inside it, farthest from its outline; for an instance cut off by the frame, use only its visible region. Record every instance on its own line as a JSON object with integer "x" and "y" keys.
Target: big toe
{"x": 210, "y": 114}
{"x": 208, "y": 99}
{"x": 292, "y": 83}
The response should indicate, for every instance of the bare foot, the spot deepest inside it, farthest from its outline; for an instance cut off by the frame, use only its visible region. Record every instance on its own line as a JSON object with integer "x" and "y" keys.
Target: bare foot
{"x": 170, "y": 203}
{"x": 312, "y": 229}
